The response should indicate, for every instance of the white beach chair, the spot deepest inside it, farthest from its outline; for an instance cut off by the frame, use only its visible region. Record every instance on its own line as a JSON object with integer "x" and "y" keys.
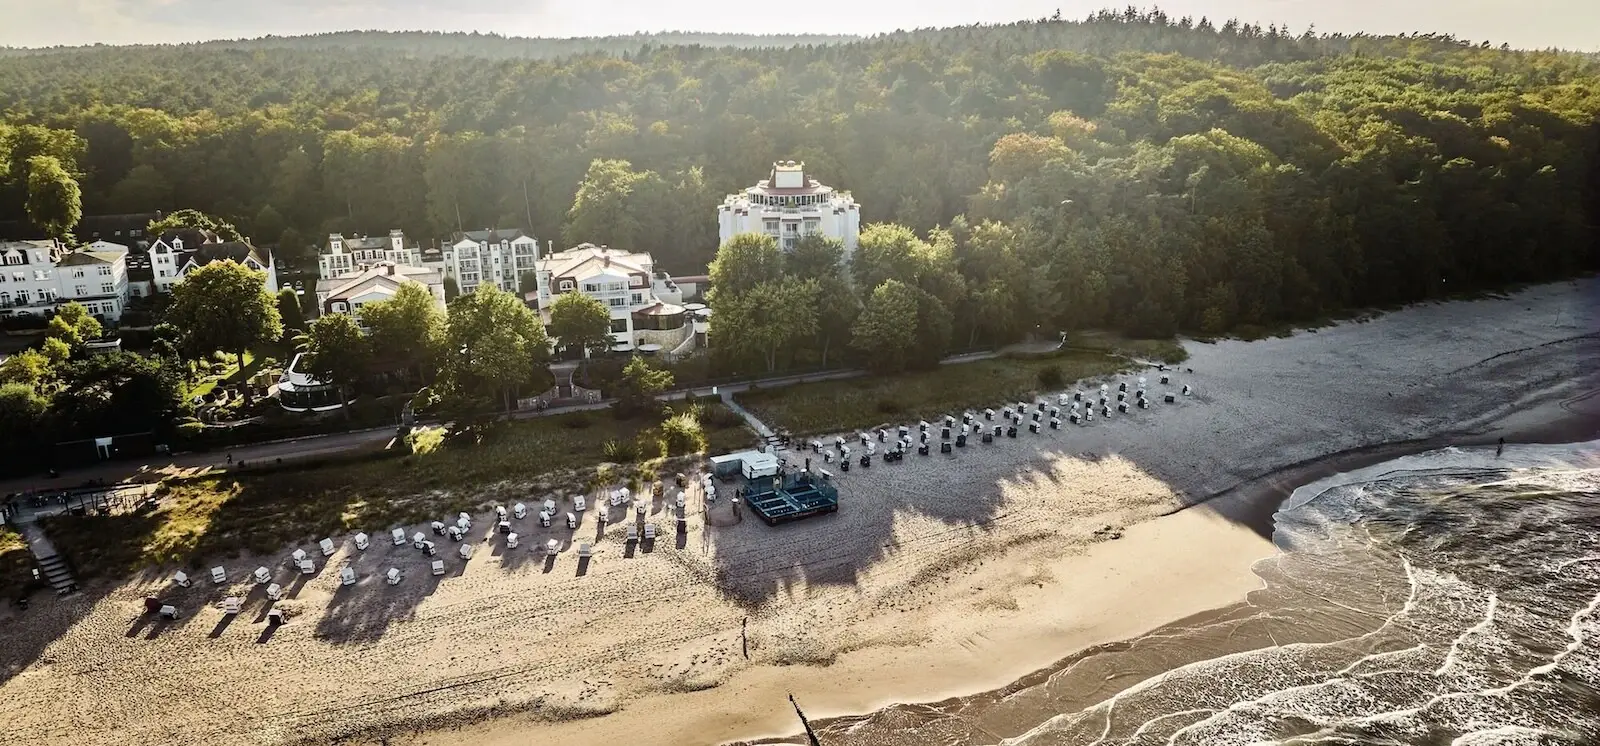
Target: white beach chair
{"x": 327, "y": 546}
{"x": 418, "y": 539}
{"x": 263, "y": 575}
{"x": 393, "y": 576}
{"x": 274, "y": 592}
{"x": 438, "y": 567}
{"x": 181, "y": 578}
{"x": 297, "y": 555}
{"x": 500, "y": 512}
{"x": 307, "y": 567}
{"x": 456, "y": 534}
{"x": 505, "y": 527}
{"x": 552, "y": 547}
{"x": 219, "y": 576}
{"x": 584, "y": 550}
{"x": 275, "y": 617}
{"x": 169, "y": 612}
{"x": 429, "y": 549}
{"x": 438, "y": 528}
{"x": 520, "y": 511}
{"x": 639, "y": 509}
{"x": 579, "y": 504}
{"x": 681, "y": 500}
{"x": 649, "y": 531}
{"x": 601, "y": 516}
{"x": 347, "y": 576}
{"x": 550, "y": 507}
{"x": 511, "y": 541}
{"x": 362, "y": 542}
{"x": 633, "y": 532}
{"x": 399, "y": 535}
{"x": 465, "y": 551}
{"x": 230, "y": 605}
{"x": 464, "y": 523}
{"x": 572, "y": 521}
{"x": 544, "y": 518}
{"x": 463, "y": 516}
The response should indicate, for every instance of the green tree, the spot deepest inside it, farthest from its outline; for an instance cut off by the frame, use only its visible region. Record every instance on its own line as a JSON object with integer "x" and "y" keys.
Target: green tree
{"x": 581, "y": 322}
{"x": 292, "y": 243}
{"x": 407, "y": 331}
{"x": 886, "y": 332}
{"x": 119, "y": 392}
{"x": 24, "y": 415}
{"x": 30, "y": 368}
{"x": 528, "y": 282}
{"x": 55, "y": 203}
{"x": 636, "y": 390}
{"x": 494, "y": 345}
{"x": 337, "y": 352}
{"x": 769, "y": 318}
{"x": 601, "y": 211}
{"x": 289, "y": 311}
{"x": 144, "y": 189}
{"x": 268, "y": 225}
{"x": 73, "y": 325}
{"x": 745, "y": 261}
{"x": 815, "y": 257}
{"x": 224, "y": 307}
{"x": 193, "y": 220}
{"x": 452, "y": 289}
{"x": 837, "y": 309}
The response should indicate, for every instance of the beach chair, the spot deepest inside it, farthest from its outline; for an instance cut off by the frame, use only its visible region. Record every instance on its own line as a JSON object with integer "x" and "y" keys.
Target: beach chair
{"x": 399, "y": 535}
{"x": 464, "y": 523}
{"x": 438, "y": 567}
{"x": 274, "y": 592}
{"x": 393, "y": 576}
{"x": 640, "y": 509}
{"x": 465, "y": 551}
{"x": 1055, "y": 423}
{"x": 1169, "y": 398}
{"x": 511, "y": 541}
{"x": 816, "y": 446}
{"x": 418, "y": 539}
{"x": 544, "y": 518}
{"x": 505, "y": 527}
{"x": 550, "y": 507}
{"x": 463, "y": 517}
{"x": 218, "y": 576}
{"x": 585, "y": 551}
{"x": 230, "y": 605}
{"x": 519, "y": 511}
{"x": 181, "y": 578}
{"x": 456, "y": 533}
{"x": 347, "y": 576}
{"x": 633, "y": 533}
{"x": 572, "y": 521}
{"x": 1186, "y": 389}
{"x": 552, "y": 547}
{"x": 438, "y": 528}
{"x": 681, "y": 500}
{"x": 263, "y": 575}
{"x": 1122, "y": 407}
{"x": 169, "y": 612}
{"x": 362, "y": 542}
{"x": 297, "y": 556}
{"x": 649, "y": 531}
{"x": 429, "y": 549}
{"x": 500, "y": 513}
{"x": 307, "y": 567}
{"x": 602, "y": 516}
{"x": 579, "y": 504}
{"x": 275, "y": 617}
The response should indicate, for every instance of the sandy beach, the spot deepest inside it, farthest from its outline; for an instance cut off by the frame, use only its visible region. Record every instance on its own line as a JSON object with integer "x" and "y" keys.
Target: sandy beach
{"x": 939, "y": 576}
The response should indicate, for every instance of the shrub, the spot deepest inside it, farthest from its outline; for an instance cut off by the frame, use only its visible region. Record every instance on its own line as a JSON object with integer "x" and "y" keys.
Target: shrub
{"x": 620, "y": 451}
{"x": 189, "y": 430}
{"x": 720, "y": 417}
{"x": 683, "y": 434}
{"x": 1050, "y": 377}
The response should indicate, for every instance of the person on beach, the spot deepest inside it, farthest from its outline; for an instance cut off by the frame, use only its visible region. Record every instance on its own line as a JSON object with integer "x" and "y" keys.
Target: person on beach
{"x": 1501, "y": 448}
{"x": 230, "y": 458}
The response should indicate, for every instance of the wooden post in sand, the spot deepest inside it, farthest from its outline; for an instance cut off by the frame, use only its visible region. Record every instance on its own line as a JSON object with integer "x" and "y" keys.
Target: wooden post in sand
{"x": 744, "y": 639}
{"x": 811, "y": 735}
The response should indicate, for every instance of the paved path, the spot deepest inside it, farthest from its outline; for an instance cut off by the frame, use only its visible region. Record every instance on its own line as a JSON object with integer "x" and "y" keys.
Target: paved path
{"x": 153, "y": 468}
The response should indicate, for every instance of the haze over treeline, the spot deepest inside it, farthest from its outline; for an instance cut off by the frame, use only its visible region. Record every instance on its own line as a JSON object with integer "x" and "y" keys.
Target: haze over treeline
{"x": 1214, "y": 174}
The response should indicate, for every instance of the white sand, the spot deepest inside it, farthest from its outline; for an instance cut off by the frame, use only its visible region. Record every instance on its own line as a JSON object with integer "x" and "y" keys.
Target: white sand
{"x": 939, "y": 576}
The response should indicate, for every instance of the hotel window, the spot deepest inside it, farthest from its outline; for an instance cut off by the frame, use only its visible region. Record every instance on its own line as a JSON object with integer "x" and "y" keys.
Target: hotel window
{"x": 105, "y": 271}
{"x": 619, "y": 326}
{"x": 638, "y": 298}
{"x": 617, "y": 302}
{"x": 13, "y": 259}
{"x": 77, "y": 273}
{"x": 566, "y": 285}
{"x": 107, "y": 287}
{"x": 636, "y": 281}
{"x": 80, "y": 290}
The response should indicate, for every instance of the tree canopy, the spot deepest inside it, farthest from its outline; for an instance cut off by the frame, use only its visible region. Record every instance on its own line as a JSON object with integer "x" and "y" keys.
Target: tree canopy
{"x": 581, "y": 322}
{"x": 224, "y": 306}
{"x": 407, "y": 330}
{"x": 494, "y": 346}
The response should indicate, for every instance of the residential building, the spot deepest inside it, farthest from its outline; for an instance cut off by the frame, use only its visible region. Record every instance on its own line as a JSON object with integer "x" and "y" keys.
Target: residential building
{"x": 346, "y": 256}
{"x": 176, "y": 253}
{"x": 789, "y": 204}
{"x": 127, "y": 230}
{"x": 644, "y": 301}
{"x": 38, "y": 276}
{"x": 498, "y": 257}
{"x": 373, "y": 283}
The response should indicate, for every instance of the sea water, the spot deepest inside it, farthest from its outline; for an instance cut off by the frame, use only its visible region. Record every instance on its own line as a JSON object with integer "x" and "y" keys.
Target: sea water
{"x": 1449, "y": 598}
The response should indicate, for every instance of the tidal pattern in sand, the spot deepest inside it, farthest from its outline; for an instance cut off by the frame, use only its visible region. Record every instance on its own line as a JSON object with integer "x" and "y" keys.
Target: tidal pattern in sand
{"x": 1451, "y": 597}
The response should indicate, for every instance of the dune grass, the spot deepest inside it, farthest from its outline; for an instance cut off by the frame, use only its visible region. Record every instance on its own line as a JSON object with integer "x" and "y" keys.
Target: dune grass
{"x": 856, "y": 403}
{"x": 1168, "y": 351}
{"x": 299, "y": 502}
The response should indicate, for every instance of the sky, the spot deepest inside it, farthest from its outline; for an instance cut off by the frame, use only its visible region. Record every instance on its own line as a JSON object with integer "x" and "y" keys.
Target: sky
{"x": 1571, "y": 24}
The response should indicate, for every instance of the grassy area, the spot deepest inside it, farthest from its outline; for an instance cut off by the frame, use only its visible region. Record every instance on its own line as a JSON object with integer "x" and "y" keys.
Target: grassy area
{"x": 15, "y": 563}
{"x": 301, "y": 502}
{"x": 856, "y": 403}
{"x": 1168, "y": 351}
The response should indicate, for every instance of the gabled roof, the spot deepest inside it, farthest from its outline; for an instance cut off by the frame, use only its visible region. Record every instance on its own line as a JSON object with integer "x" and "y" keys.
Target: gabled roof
{"x": 236, "y": 251}
{"x": 491, "y": 236}
{"x": 79, "y": 258}
{"x": 376, "y": 275}
{"x": 588, "y": 260}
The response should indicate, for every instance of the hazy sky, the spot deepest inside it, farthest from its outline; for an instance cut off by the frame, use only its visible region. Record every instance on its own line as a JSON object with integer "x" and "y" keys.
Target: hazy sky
{"x": 1573, "y": 24}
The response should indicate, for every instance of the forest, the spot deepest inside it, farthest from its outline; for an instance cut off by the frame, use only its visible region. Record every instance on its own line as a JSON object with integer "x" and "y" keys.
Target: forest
{"x": 1130, "y": 171}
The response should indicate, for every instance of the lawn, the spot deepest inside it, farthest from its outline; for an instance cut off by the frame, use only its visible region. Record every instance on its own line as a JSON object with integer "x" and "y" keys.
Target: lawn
{"x": 1160, "y": 350}
{"x": 372, "y": 491}
{"x": 857, "y": 403}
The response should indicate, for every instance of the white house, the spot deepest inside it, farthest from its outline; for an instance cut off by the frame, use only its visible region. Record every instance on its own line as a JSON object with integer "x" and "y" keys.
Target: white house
{"x": 498, "y": 257}
{"x": 176, "y": 253}
{"x": 377, "y": 282}
{"x": 38, "y": 276}
{"x": 789, "y": 204}
{"x": 644, "y": 302}
{"x": 345, "y": 256}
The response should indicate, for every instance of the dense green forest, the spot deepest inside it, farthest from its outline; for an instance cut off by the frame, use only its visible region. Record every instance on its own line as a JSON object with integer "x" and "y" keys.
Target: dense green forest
{"x": 1130, "y": 170}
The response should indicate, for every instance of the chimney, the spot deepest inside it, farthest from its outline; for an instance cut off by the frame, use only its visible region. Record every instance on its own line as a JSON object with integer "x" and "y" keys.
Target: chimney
{"x": 391, "y": 270}
{"x": 605, "y": 260}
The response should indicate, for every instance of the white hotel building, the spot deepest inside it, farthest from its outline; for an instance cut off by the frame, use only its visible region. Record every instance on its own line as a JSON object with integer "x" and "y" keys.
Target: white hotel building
{"x": 36, "y": 277}
{"x": 788, "y": 205}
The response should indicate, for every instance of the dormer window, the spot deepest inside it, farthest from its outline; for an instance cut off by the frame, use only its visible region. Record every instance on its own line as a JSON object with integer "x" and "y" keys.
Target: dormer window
{"x": 566, "y": 285}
